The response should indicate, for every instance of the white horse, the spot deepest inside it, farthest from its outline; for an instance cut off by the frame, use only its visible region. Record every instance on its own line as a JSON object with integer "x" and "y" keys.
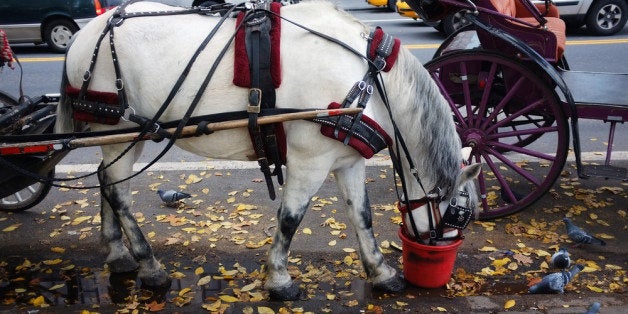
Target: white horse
{"x": 152, "y": 51}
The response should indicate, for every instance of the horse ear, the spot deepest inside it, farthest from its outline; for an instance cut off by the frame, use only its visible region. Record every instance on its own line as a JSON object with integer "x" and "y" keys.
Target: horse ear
{"x": 470, "y": 172}
{"x": 466, "y": 153}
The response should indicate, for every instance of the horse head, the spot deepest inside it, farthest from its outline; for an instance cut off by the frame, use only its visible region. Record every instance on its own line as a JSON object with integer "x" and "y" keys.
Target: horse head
{"x": 442, "y": 214}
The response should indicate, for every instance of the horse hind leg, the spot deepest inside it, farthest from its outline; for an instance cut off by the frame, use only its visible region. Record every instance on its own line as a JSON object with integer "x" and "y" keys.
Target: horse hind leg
{"x": 351, "y": 183}
{"x": 117, "y": 218}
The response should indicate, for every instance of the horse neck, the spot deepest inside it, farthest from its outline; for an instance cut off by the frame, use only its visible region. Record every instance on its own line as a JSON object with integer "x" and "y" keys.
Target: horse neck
{"x": 424, "y": 120}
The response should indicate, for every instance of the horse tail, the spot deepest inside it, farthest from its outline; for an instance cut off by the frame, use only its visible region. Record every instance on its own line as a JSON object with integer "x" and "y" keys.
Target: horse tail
{"x": 64, "y": 122}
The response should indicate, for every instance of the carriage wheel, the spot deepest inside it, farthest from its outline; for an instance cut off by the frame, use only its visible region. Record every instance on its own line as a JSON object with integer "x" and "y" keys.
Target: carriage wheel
{"x": 27, "y": 197}
{"x": 512, "y": 119}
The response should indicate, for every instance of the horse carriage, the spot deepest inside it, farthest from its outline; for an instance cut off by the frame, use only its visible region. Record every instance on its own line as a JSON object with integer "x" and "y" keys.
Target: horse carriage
{"x": 341, "y": 92}
{"x": 512, "y": 95}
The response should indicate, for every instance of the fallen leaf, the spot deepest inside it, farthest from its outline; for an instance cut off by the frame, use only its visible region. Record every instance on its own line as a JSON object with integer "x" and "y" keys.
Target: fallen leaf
{"x": 11, "y": 228}
{"x": 509, "y": 304}
{"x": 155, "y": 307}
{"x": 204, "y": 280}
{"x": 229, "y": 298}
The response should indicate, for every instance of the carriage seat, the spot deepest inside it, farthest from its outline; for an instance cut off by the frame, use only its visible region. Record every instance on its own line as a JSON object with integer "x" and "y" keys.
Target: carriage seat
{"x": 524, "y": 11}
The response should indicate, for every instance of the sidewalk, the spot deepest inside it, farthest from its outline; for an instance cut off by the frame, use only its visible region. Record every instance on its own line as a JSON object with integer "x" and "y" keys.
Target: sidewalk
{"x": 223, "y": 232}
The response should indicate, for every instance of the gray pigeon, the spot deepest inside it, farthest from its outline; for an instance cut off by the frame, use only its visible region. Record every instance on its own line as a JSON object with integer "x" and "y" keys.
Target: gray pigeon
{"x": 171, "y": 197}
{"x": 594, "y": 308}
{"x": 579, "y": 236}
{"x": 556, "y": 282}
{"x": 561, "y": 259}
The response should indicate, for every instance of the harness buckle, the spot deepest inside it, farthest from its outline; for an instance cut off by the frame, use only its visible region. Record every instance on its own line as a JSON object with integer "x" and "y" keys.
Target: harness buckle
{"x": 433, "y": 234}
{"x": 255, "y": 100}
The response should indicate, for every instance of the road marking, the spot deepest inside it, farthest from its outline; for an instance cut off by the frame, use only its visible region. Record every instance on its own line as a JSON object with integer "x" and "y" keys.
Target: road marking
{"x": 383, "y": 161}
{"x": 408, "y": 46}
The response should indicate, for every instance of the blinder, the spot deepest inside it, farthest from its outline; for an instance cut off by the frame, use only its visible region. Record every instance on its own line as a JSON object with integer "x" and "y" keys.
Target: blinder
{"x": 458, "y": 216}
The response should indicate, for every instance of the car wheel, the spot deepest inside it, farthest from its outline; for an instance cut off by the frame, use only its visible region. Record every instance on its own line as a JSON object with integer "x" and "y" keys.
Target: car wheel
{"x": 607, "y": 17}
{"x": 453, "y": 22}
{"x": 58, "y": 34}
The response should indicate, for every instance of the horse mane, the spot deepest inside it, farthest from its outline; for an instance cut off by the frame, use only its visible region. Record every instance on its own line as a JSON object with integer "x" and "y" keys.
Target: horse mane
{"x": 434, "y": 144}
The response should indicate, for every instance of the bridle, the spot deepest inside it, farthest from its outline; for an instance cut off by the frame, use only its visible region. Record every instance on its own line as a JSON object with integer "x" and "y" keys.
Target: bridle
{"x": 456, "y": 217}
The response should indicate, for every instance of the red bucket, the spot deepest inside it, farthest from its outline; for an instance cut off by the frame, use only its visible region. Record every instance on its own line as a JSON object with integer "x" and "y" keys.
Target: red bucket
{"x": 427, "y": 266}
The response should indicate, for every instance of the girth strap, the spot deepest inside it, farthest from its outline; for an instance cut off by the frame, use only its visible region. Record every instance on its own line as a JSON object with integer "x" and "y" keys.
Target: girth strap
{"x": 262, "y": 93}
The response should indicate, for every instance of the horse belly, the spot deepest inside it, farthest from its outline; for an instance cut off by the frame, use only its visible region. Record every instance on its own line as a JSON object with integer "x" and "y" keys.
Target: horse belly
{"x": 232, "y": 144}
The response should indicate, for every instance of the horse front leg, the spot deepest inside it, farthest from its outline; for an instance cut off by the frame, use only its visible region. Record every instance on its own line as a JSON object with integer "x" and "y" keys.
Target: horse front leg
{"x": 351, "y": 182}
{"x": 299, "y": 188}
{"x": 116, "y": 218}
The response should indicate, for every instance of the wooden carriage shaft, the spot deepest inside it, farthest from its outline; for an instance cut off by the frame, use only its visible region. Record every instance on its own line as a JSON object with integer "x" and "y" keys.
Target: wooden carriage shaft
{"x": 187, "y": 131}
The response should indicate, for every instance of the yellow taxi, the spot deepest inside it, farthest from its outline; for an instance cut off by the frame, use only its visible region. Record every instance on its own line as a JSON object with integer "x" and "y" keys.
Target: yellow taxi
{"x": 405, "y": 10}
{"x": 390, "y": 4}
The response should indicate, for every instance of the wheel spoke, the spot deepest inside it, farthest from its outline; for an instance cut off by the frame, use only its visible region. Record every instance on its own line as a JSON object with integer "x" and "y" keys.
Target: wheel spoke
{"x": 488, "y": 87}
{"x": 511, "y": 93}
{"x": 514, "y": 167}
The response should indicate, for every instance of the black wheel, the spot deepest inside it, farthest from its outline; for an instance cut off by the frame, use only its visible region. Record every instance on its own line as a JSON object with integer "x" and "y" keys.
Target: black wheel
{"x": 607, "y": 17}
{"x": 27, "y": 197}
{"x": 58, "y": 34}
{"x": 512, "y": 119}
{"x": 454, "y": 21}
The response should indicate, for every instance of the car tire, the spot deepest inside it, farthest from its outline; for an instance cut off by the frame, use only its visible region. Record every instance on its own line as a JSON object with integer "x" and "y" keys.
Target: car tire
{"x": 607, "y": 17}
{"x": 454, "y": 21}
{"x": 58, "y": 34}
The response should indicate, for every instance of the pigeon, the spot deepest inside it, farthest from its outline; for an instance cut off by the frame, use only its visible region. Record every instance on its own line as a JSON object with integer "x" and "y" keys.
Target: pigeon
{"x": 594, "y": 308}
{"x": 561, "y": 259}
{"x": 579, "y": 236}
{"x": 171, "y": 197}
{"x": 556, "y": 282}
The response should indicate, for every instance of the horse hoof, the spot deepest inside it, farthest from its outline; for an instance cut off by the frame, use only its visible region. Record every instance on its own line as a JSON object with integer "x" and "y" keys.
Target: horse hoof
{"x": 156, "y": 279}
{"x": 123, "y": 265}
{"x": 394, "y": 284}
{"x": 289, "y": 293}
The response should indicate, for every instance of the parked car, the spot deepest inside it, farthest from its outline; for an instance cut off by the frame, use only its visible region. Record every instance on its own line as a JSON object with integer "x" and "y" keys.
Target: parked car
{"x": 601, "y": 17}
{"x": 390, "y": 4}
{"x": 53, "y": 22}
{"x": 405, "y": 10}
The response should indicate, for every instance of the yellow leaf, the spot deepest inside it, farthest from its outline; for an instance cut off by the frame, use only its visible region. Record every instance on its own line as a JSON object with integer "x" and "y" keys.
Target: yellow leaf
{"x": 151, "y": 234}
{"x": 57, "y": 249}
{"x": 307, "y": 231}
{"x": 184, "y": 291}
{"x": 595, "y": 289}
{"x": 348, "y": 260}
{"x": 488, "y": 249}
{"x": 11, "y": 228}
{"x": 330, "y": 296}
{"x": 509, "y": 304}
{"x": 604, "y": 236}
{"x": 52, "y": 261}
{"x": 441, "y": 309}
{"x": 501, "y": 262}
{"x": 203, "y": 281}
{"x": 228, "y": 298}
{"x": 332, "y": 243}
{"x": 38, "y": 301}
{"x": 612, "y": 267}
{"x": 177, "y": 275}
{"x": 58, "y": 286}
{"x": 79, "y": 220}
{"x": 199, "y": 271}
{"x": 540, "y": 253}
{"x": 265, "y": 310}
{"x": 349, "y": 250}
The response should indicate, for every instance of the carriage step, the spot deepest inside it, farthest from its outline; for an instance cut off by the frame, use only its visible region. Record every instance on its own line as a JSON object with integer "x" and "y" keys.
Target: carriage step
{"x": 606, "y": 171}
